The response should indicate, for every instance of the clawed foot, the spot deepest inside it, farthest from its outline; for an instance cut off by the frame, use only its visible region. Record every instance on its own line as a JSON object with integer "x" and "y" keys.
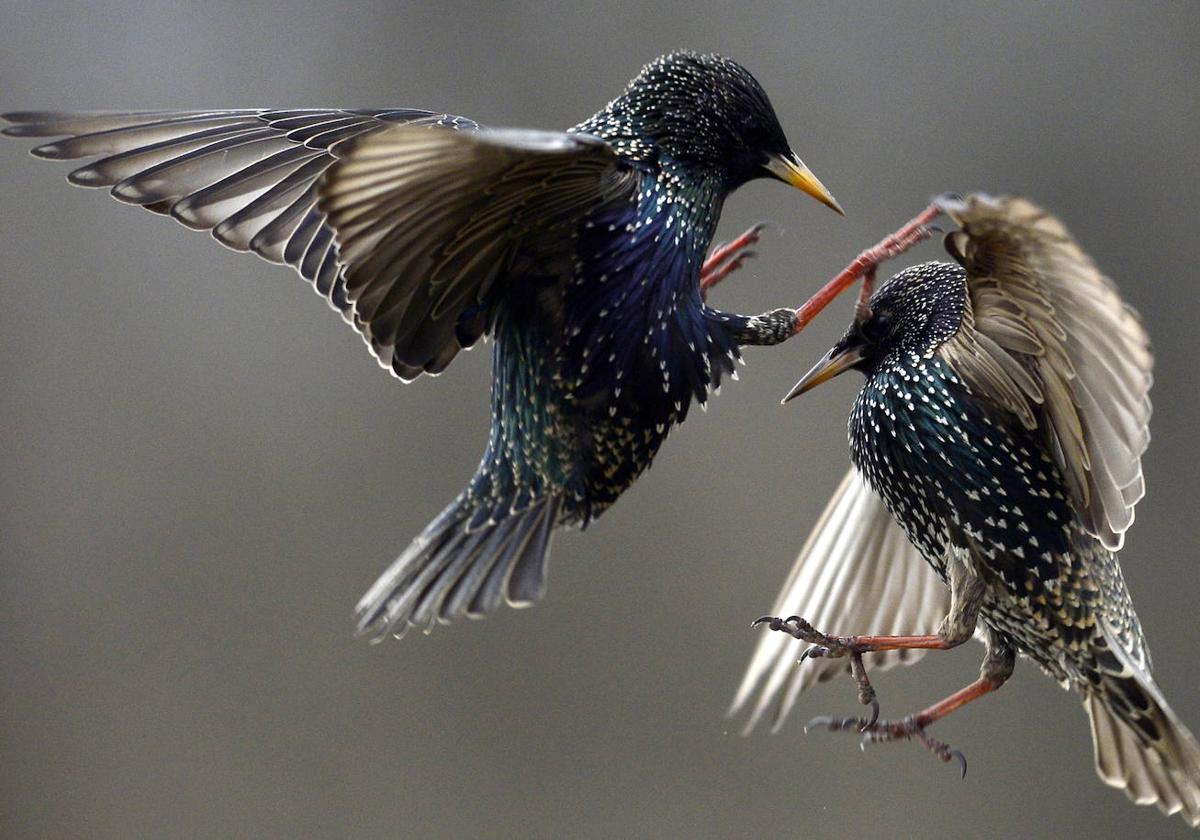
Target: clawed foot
{"x": 885, "y": 731}
{"x": 728, "y": 258}
{"x": 825, "y": 646}
{"x": 917, "y": 230}
{"x": 873, "y": 730}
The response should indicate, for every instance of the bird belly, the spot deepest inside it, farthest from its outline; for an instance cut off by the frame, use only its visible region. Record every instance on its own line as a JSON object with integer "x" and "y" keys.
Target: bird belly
{"x": 954, "y": 475}
{"x": 561, "y": 426}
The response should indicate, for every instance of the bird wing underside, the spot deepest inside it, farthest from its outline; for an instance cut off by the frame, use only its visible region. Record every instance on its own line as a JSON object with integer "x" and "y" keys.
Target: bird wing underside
{"x": 253, "y": 178}
{"x": 249, "y": 176}
{"x": 1048, "y": 337}
{"x": 427, "y": 222}
{"x": 857, "y": 573}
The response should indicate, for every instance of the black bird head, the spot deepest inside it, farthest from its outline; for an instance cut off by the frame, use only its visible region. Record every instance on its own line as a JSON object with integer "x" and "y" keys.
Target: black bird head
{"x": 708, "y": 116}
{"x": 911, "y": 314}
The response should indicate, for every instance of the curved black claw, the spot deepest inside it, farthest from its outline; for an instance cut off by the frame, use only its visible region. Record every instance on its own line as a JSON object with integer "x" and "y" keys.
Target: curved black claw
{"x": 773, "y": 621}
{"x": 756, "y": 230}
{"x": 845, "y": 724}
{"x": 943, "y": 751}
{"x": 793, "y": 625}
{"x": 874, "y": 715}
{"x": 799, "y": 627}
{"x": 824, "y": 722}
{"x": 815, "y": 652}
{"x": 875, "y": 731}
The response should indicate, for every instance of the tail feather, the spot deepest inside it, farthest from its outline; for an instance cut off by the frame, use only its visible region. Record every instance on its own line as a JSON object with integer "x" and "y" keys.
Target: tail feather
{"x": 451, "y": 564}
{"x": 531, "y": 541}
{"x": 460, "y": 597}
{"x": 1141, "y": 746}
{"x": 462, "y": 565}
{"x": 1165, "y": 772}
{"x": 527, "y": 583}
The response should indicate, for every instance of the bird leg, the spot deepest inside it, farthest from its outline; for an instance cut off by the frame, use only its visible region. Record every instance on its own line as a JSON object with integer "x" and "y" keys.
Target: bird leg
{"x": 728, "y": 258}
{"x": 917, "y": 230}
{"x": 826, "y": 646}
{"x": 966, "y": 597}
{"x": 862, "y": 306}
{"x": 778, "y": 325}
{"x": 997, "y": 667}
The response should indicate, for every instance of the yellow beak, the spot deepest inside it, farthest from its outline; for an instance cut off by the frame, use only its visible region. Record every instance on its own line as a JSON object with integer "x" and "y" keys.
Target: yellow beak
{"x": 836, "y": 361}
{"x": 791, "y": 170}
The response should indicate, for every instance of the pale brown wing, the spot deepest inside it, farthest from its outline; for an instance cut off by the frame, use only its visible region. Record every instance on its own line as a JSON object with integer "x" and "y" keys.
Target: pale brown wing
{"x": 425, "y": 222}
{"x": 249, "y": 175}
{"x": 444, "y": 215}
{"x": 1049, "y": 337}
{"x": 857, "y": 573}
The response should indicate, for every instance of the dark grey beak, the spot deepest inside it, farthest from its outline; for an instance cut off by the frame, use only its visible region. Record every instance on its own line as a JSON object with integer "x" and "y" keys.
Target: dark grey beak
{"x": 838, "y": 360}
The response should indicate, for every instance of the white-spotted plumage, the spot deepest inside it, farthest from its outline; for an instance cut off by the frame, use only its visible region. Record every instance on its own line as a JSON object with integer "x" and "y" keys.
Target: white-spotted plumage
{"x": 1002, "y": 422}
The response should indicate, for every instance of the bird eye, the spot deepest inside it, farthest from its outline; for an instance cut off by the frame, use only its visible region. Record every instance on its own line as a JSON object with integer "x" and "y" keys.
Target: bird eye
{"x": 878, "y": 327}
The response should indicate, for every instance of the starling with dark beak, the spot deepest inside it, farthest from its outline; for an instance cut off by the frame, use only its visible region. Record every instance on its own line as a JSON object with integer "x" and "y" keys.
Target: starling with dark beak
{"x": 999, "y": 437}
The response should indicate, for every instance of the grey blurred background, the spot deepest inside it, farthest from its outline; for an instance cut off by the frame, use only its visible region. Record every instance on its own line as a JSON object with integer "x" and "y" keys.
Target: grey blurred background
{"x": 203, "y": 469}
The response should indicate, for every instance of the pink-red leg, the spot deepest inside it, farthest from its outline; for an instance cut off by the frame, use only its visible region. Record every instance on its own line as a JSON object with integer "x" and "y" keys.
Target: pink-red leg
{"x": 728, "y": 258}
{"x": 864, "y": 265}
{"x": 828, "y": 646}
{"x": 997, "y": 668}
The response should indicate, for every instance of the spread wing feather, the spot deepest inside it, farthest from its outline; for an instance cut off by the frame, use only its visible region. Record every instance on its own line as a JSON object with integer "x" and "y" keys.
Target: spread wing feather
{"x": 249, "y": 176}
{"x": 1048, "y": 337}
{"x": 426, "y": 222}
{"x": 858, "y": 572}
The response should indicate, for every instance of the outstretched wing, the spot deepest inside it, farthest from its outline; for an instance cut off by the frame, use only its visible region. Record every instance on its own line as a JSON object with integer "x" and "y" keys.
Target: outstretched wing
{"x": 253, "y": 178}
{"x": 1054, "y": 342}
{"x": 249, "y": 176}
{"x": 426, "y": 222}
{"x": 858, "y": 573}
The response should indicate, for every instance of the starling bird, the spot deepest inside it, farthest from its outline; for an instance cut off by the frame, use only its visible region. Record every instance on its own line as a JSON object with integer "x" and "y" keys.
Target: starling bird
{"x": 580, "y": 253}
{"x": 1001, "y": 427}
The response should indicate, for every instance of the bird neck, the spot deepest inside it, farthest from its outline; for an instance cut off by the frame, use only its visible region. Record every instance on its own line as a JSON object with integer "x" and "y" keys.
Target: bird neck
{"x": 625, "y": 134}
{"x": 624, "y": 126}
{"x": 632, "y": 314}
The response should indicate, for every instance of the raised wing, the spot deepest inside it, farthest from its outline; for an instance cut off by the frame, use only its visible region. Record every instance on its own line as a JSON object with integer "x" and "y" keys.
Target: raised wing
{"x": 249, "y": 176}
{"x": 1054, "y": 342}
{"x": 858, "y": 572}
{"x": 426, "y": 222}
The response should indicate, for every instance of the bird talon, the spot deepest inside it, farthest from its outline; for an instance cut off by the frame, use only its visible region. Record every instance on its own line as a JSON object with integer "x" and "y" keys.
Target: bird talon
{"x": 874, "y": 715}
{"x": 729, "y": 257}
{"x": 815, "y": 652}
{"x": 962, "y": 761}
{"x": 874, "y": 731}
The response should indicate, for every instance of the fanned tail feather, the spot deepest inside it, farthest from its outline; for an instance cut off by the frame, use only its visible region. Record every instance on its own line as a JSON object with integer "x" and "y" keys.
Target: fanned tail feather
{"x": 1164, "y": 772}
{"x": 1141, "y": 746}
{"x": 461, "y": 567}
